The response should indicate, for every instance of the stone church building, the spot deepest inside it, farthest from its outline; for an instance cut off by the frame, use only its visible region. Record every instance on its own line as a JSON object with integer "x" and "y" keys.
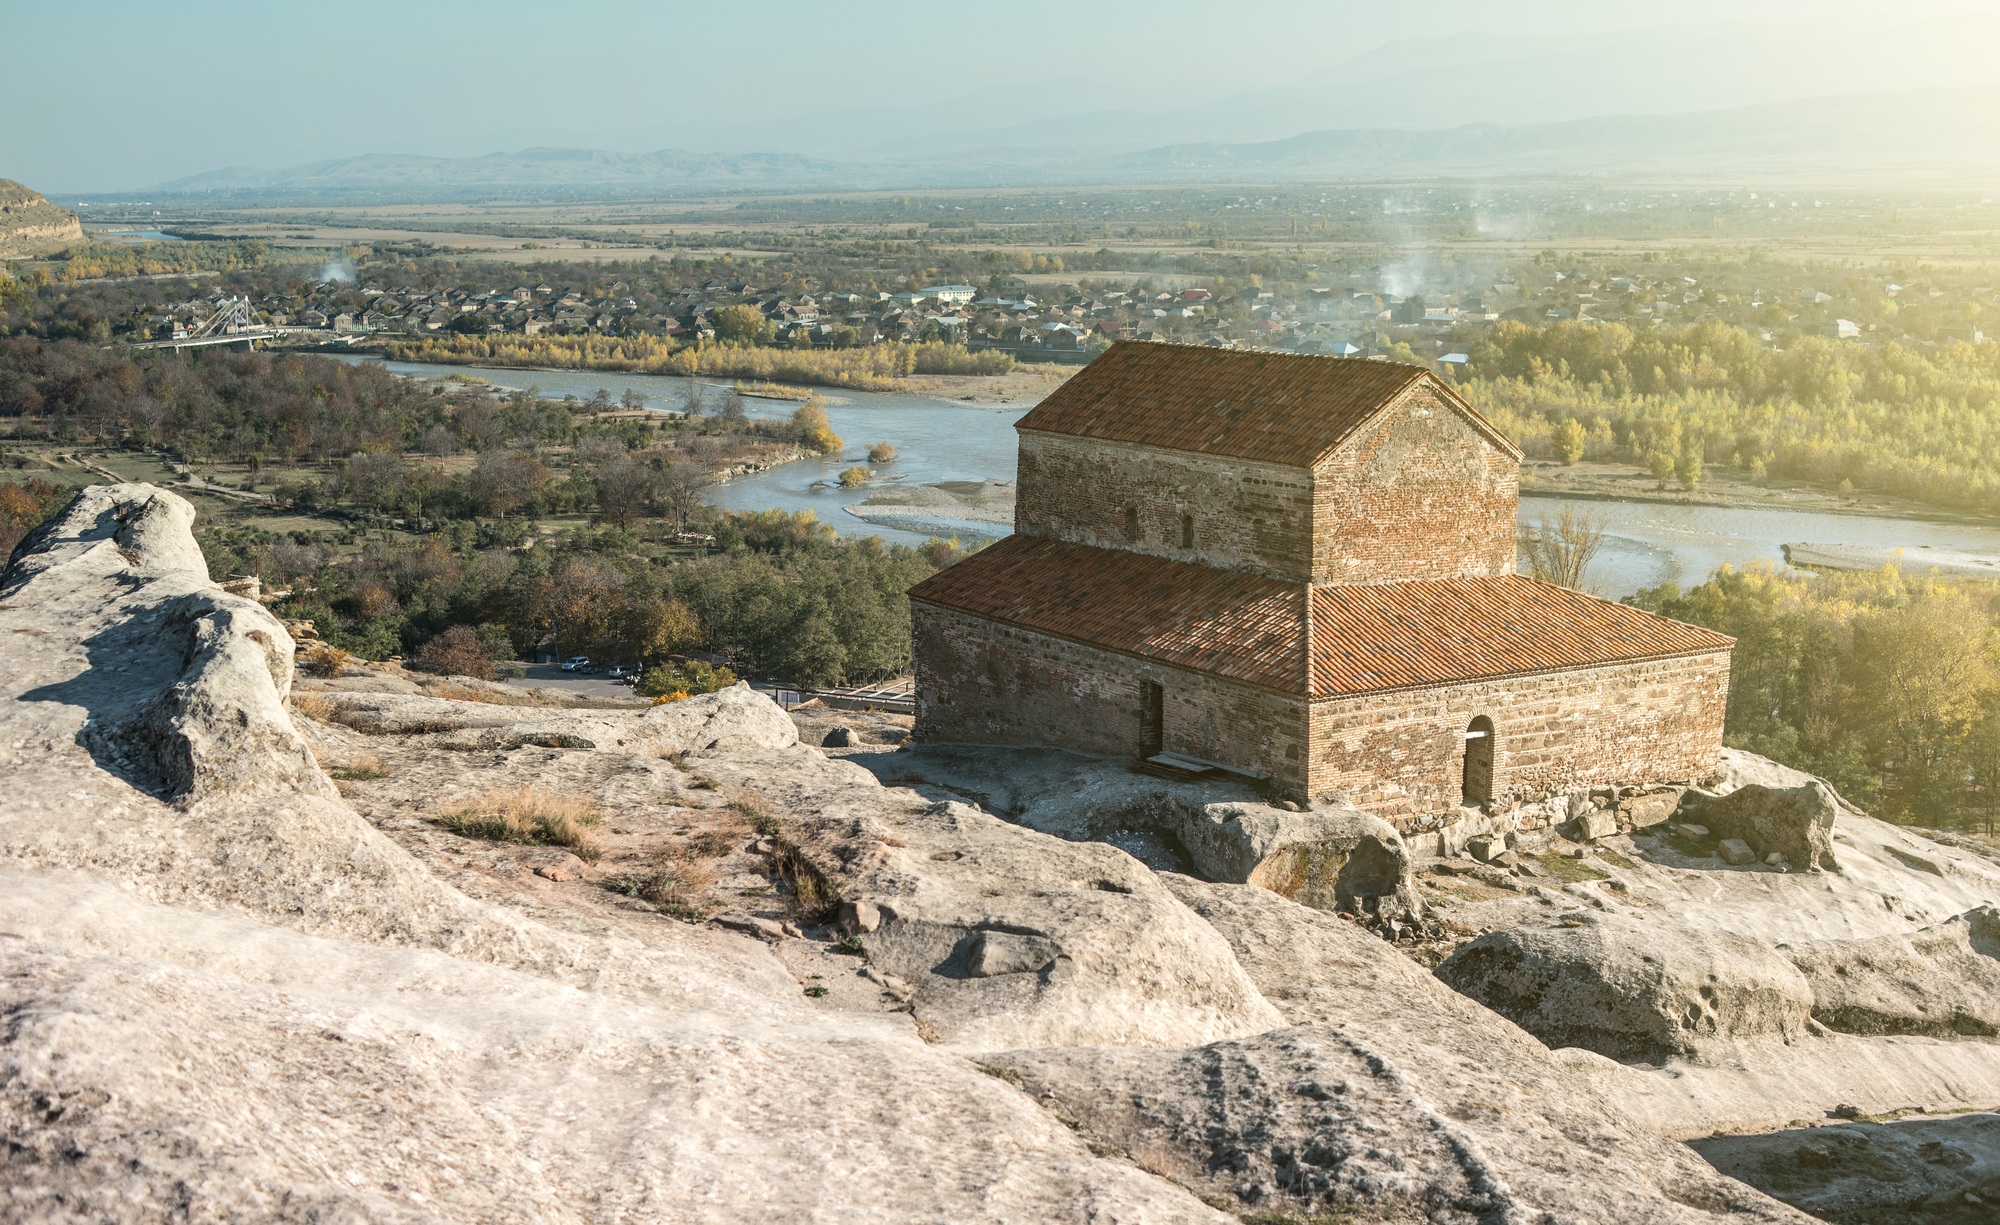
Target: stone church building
{"x": 1299, "y": 569}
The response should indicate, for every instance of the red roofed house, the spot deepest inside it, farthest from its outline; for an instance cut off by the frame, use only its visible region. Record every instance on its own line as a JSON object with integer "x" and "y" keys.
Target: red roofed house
{"x": 1300, "y": 569}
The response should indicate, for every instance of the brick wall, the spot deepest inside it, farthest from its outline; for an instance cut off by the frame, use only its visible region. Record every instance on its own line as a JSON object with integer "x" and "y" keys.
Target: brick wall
{"x": 1248, "y": 516}
{"x": 1419, "y": 494}
{"x": 1404, "y": 753}
{"x": 983, "y": 682}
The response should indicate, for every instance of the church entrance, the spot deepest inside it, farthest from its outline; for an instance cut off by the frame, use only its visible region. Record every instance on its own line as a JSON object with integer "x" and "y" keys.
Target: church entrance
{"x": 1152, "y": 719}
{"x": 1478, "y": 783}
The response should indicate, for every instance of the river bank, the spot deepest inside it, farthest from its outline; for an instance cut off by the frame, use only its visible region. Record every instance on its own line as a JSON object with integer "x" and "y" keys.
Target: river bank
{"x": 1723, "y": 488}
{"x": 1022, "y": 387}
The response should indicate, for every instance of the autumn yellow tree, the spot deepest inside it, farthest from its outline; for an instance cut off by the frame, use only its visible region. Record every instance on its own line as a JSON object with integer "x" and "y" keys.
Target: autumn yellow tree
{"x": 811, "y": 427}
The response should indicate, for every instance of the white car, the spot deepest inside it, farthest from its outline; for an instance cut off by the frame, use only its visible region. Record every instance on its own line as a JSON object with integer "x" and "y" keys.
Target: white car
{"x": 576, "y": 663}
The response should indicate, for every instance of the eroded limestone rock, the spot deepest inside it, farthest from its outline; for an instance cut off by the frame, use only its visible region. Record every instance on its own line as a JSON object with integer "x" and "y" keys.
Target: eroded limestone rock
{"x": 1796, "y": 822}
{"x": 1943, "y": 981}
{"x": 1630, "y": 988}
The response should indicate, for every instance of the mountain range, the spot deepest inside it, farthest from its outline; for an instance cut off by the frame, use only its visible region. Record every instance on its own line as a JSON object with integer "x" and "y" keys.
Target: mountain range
{"x": 1931, "y": 136}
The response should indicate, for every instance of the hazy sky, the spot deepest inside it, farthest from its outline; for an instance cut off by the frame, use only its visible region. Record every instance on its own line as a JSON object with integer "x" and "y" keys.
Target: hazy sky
{"x": 109, "y": 96}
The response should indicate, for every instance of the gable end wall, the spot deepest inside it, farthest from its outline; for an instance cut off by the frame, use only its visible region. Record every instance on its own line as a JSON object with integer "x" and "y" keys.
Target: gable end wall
{"x": 1419, "y": 493}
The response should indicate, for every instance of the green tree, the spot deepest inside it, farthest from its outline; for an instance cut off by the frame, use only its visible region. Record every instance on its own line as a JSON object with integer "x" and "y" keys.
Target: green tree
{"x": 812, "y": 429}
{"x": 1688, "y": 469}
{"x": 1567, "y": 440}
{"x": 1661, "y": 464}
{"x": 743, "y": 324}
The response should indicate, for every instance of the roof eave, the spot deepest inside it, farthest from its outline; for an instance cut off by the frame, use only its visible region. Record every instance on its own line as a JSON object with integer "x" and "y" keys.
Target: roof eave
{"x": 1689, "y": 653}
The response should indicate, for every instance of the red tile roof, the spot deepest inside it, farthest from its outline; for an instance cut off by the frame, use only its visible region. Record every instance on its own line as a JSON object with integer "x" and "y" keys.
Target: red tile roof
{"x": 1253, "y": 629}
{"x": 1404, "y": 635}
{"x": 1281, "y": 408}
{"x": 1234, "y": 624}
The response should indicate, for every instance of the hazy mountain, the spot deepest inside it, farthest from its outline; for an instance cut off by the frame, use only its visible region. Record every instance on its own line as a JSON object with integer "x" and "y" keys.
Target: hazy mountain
{"x": 540, "y": 172}
{"x": 1500, "y": 79}
{"x": 1937, "y": 135}
{"x": 1940, "y": 136}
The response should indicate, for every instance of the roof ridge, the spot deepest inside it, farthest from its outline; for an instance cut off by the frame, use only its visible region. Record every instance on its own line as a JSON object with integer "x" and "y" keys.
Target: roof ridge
{"x": 1284, "y": 408}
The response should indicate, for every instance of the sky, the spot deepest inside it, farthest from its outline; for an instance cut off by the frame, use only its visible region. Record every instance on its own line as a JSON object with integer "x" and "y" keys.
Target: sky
{"x": 107, "y": 96}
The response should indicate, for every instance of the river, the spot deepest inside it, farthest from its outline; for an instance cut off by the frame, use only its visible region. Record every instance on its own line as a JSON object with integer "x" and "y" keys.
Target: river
{"x": 1646, "y": 543}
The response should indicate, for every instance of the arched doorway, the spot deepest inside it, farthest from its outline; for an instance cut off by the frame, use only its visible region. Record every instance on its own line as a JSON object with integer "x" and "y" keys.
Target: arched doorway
{"x": 1478, "y": 785}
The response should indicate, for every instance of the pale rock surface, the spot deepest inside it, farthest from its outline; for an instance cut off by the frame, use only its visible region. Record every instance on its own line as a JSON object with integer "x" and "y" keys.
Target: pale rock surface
{"x": 737, "y": 717}
{"x": 1939, "y": 981}
{"x": 1392, "y": 1098}
{"x": 1910, "y": 1172}
{"x": 233, "y": 1001}
{"x": 1012, "y": 938}
{"x": 1632, "y": 990}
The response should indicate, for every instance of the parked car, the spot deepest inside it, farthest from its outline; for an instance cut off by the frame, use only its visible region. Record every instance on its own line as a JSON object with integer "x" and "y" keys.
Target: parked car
{"x": 576, "y": 663}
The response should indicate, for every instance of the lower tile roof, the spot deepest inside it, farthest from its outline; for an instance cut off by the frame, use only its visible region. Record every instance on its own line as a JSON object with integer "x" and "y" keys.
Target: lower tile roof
{"x": 1358, "y": 639}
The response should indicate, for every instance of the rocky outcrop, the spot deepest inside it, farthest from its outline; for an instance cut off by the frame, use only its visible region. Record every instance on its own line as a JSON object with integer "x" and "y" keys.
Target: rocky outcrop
{"x": 1942, "y": 981}
{"x": 231, "y": 997}
{"x": 1795, "y": 822}
{"x": 30, "y": 226}
{"x": 736, "y": 718}
{"x": 1390, "y": 1099}
{"x": 1911, "y": 1172}
{"x": 1010, "y": 938}
{"x": 1329, "y": 857}
{"x": 1632, "y": 989}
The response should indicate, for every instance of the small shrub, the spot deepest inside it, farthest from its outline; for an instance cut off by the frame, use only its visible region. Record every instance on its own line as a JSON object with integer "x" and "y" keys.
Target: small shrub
{"x": 815, "y": 992}
{"x": 702, "y": 782}
{"x": 531, "y": 815}
{"x": 318, "y": 659}
{"x": 313, "y": 706}
{"x": 456, "y": 652}
{"x": 674, "y": 682}
{"x": 813, "y": 899}
{"x": 857, "y": 475}
{"x": 881, "y": 453}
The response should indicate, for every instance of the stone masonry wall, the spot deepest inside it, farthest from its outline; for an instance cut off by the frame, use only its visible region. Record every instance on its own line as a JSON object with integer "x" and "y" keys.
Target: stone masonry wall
{"x": 1403, "y": 754}
{"x": 983, "y": 682}
{"x": 1246, "y": 516}
{"x": 1419, "y": 494}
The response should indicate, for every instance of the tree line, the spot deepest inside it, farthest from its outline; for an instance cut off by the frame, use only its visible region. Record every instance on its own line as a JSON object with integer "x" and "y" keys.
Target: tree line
{"x": 1918, "y": 423}
{"x": 1885, "y": 683}
{"x": 780, "y": 595}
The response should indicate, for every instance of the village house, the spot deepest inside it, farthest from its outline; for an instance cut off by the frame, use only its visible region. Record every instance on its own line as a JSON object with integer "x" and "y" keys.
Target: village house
{"x": 1299, "y": 569}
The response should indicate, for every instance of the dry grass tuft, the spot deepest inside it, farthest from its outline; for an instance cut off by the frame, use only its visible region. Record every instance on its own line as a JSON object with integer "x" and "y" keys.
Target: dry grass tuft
{"x": 313, "y": 706}
{"x": 498, "y": 695}
{"x": 678, "y": 884}
{"x": 531, "y": 815}
{"x": 813, "y": 900}
{"x": 362, "y": 767}
{"x": 756, "y": 812}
